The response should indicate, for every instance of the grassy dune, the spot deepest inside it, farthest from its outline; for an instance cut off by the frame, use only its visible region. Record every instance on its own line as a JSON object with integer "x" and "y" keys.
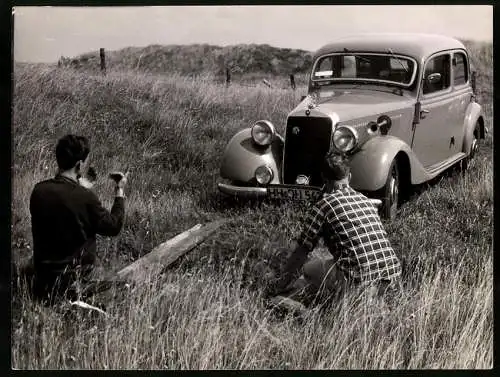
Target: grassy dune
{"x": 200, "y": 58}
{"x": 171, "y": 131}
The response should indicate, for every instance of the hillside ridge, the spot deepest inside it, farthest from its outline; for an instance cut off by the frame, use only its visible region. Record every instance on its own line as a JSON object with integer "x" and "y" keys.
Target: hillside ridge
{"x": 200, "y": 58}
{"x": 196, "y": 59}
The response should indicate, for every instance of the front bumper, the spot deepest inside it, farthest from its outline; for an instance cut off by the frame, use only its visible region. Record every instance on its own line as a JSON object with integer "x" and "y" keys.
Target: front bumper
{"x": 279, "y": 192}
{"x": 243, "y": 192}
{"x": 274, "y": 192}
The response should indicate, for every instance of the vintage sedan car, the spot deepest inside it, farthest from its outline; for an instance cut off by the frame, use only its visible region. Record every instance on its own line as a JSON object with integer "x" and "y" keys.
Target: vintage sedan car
{"x": 400, "y": 106}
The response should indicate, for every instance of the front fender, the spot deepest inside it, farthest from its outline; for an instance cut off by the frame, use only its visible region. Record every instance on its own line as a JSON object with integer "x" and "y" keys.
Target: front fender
{"x": 370, "y": 164}
{"x": 474, "y": 111}
{"x": 242, "y": 156}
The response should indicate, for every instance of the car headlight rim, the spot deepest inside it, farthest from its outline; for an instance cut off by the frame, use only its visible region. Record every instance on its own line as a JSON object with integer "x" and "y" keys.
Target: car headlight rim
{"x": 264, "y": 174}
{"x": 263, "y": 133}
{"x": 345, "y": 139}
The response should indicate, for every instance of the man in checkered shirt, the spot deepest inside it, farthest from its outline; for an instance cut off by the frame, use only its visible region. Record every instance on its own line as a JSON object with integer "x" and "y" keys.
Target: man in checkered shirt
{"x": 351, "y": 228}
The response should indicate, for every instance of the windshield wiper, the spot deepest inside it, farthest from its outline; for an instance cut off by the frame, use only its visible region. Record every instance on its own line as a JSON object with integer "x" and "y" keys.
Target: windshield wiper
{"x": 396, "y": 91}
{"x": 389, "y": 50}
{"x": 357, "y": 56}
{"x": 359, "y": 84}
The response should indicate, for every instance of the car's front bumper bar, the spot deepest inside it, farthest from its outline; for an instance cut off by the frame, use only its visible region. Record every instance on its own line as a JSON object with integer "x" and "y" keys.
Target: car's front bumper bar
{"x": 280, "y": 191}
{"x": 243, "y": 192}
{"x": 275, "y": 191}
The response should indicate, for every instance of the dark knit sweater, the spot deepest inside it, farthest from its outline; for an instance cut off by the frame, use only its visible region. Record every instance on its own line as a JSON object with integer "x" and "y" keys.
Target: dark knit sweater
{"x": 65, "y": 219}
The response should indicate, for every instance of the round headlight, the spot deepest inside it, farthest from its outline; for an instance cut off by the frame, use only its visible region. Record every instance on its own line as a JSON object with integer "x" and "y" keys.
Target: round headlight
{"x": 345, "y": 138}
{"x": 263, "y": 132}
{"x": 264, "y": 174}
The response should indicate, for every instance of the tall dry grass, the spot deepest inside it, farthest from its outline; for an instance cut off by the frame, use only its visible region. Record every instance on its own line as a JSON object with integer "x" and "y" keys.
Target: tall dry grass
{"x": 171, "y": 131}
{"x": 212, "y": 323}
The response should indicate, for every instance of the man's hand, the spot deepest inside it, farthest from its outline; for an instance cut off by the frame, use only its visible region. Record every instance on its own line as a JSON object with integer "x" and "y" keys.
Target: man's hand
{"x": 295, "y": 261}
{"x": 120, "y": 180}
{"x": 276, "y": 285}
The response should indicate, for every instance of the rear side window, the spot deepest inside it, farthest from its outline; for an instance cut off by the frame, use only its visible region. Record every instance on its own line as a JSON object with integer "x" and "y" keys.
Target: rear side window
{"x": 460, "y": 71}
{"x": 441, "y": 65}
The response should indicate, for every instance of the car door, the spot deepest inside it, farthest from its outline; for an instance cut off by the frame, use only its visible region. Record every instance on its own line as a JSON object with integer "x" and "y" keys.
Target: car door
{"x": 432, "y": 138}
{"x": 463, "y": 95}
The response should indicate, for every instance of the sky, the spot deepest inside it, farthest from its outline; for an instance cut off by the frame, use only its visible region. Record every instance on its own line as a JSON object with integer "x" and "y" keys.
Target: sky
{"x": 44, "y": 34}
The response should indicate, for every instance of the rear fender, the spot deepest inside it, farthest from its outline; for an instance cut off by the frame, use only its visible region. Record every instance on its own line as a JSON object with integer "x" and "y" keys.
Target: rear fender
{"x": 473, "y": 114}
{"x": 370, "y": 164}
{"x": 242, "y": 156}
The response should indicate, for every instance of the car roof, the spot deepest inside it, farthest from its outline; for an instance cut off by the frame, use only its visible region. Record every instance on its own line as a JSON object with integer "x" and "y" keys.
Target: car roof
{"x": 416, "y": 45}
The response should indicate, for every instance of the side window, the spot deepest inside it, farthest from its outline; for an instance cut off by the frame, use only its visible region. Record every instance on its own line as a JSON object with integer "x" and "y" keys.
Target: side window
{"x": 440, "y": 65}
{"x": 460, "y": 69}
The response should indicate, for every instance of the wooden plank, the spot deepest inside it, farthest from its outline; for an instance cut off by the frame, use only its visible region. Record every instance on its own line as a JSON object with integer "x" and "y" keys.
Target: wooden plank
{"x": 167, "y": 253}
{"x": 153, "y": 263}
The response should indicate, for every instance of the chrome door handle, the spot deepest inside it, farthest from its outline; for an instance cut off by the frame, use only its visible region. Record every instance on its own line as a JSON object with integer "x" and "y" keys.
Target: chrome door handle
{"x": 423, "y": 113}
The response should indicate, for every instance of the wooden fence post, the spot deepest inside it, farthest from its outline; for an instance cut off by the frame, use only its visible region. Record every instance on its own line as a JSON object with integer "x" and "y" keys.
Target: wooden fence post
{"x": 103, "y": 60}
{"x": 228, "y": 76}
{"x": 292, "y": 81}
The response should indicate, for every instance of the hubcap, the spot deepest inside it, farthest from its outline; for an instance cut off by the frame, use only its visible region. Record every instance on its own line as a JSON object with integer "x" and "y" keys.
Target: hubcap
{"x": 393, "y": 195}
{"x": 473, "y": 151}
{"x": 475, "y": 147}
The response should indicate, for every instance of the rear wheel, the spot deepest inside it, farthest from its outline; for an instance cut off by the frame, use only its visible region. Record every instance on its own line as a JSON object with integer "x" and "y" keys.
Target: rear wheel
{"x": 391, "y": 193}
{"x": 469, "y": 160}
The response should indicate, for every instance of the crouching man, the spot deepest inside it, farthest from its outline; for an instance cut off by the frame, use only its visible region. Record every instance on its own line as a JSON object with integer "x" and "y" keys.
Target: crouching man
{"x": 65, "y": 219}
{"x": 352, "y": 230}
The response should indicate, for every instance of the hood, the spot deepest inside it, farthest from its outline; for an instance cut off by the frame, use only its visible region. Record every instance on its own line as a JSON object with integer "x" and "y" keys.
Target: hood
{"x": 350, "y": 104}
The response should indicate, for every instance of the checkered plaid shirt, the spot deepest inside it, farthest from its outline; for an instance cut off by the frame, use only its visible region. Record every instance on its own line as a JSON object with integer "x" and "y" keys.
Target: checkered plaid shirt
{"x": 351, "y": 228}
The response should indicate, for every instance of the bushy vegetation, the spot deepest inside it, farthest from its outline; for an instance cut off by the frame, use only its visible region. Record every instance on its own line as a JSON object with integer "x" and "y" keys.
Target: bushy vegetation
{"x": 243, "y": 61}
{"x": 171, "y": 130}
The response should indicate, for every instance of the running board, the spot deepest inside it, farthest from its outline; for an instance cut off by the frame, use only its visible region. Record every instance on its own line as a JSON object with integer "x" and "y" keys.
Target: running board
{"x": 438, "y": 168}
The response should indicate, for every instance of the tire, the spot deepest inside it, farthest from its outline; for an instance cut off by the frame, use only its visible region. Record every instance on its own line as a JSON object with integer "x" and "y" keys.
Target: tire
{"x": 468, "y": 161}
{"x": 390, "y": 194}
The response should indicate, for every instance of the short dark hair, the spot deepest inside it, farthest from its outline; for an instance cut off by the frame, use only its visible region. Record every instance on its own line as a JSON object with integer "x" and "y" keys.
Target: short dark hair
{"x": 70, "y": 149}
{"x": 335, "y": 166}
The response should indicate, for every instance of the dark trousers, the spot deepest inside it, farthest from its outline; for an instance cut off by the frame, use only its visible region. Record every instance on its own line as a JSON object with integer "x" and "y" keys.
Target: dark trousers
{"x": 52, "y": 286}
{"x": 49, "y": 285}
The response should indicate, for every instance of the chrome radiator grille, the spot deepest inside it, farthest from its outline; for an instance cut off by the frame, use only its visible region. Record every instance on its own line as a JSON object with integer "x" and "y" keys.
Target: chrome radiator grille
{"x": 307, "y": 142}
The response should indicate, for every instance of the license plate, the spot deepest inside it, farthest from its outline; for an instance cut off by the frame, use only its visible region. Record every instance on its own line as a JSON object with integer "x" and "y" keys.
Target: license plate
{"x": 294, "y": 193}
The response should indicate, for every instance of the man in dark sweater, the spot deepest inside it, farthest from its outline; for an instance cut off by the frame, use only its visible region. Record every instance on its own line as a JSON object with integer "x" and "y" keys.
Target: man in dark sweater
{"x": 65, "y": 219}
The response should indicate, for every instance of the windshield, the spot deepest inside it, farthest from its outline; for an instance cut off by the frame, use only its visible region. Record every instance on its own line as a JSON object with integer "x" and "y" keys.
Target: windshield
{"x": 388, "y": 68}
